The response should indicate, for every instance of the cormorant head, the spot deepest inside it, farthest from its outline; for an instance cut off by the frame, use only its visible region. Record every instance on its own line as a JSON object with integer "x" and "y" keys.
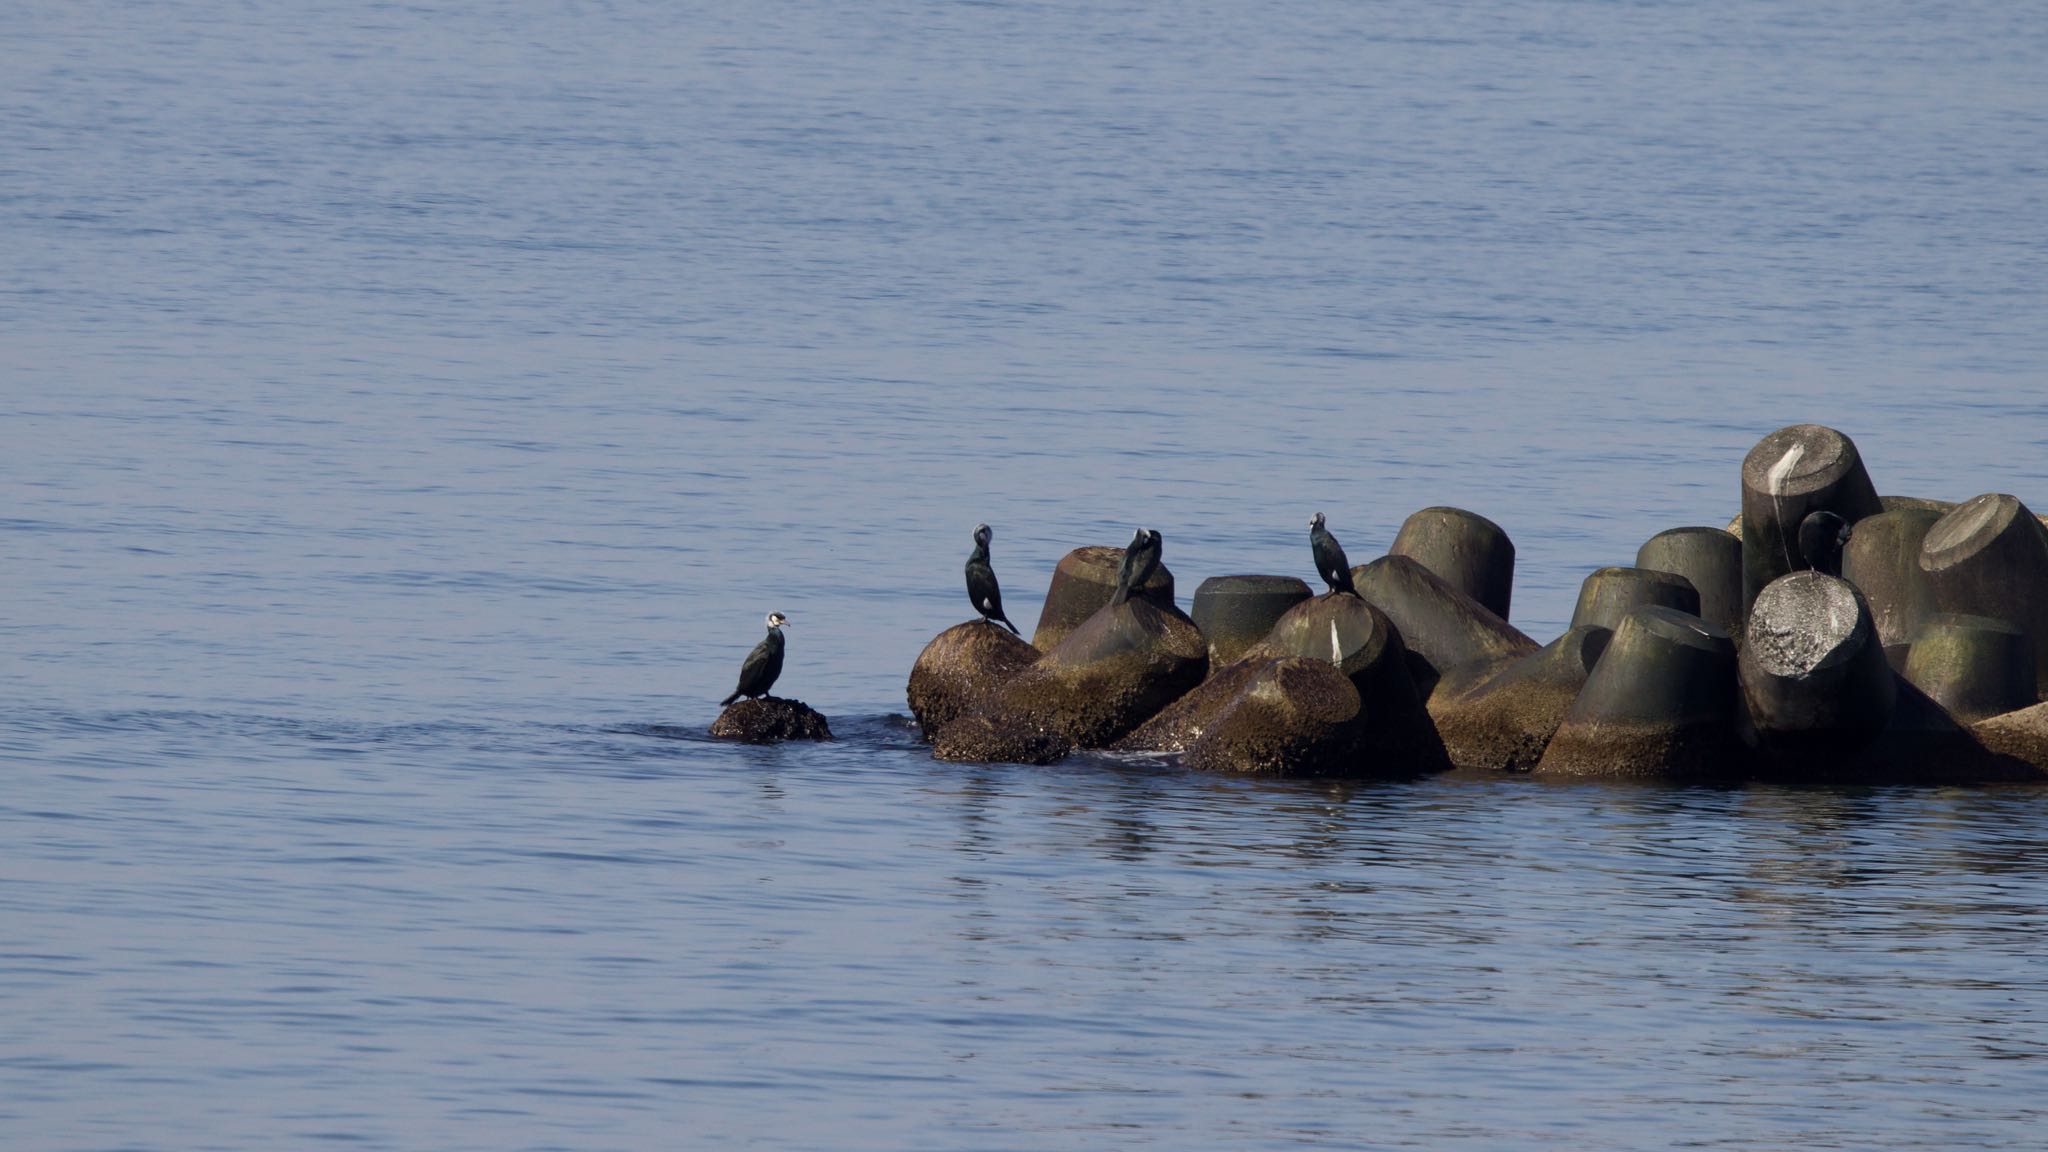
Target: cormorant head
{"x": 1822, "y": 536}
{"x": 982, "y": 535}
{"x": 777, "y": 620}
{"x": 1316, "y": 521}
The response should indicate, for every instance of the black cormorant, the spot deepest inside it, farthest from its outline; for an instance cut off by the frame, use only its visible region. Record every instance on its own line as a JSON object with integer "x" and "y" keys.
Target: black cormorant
{"x": 1141, "y": 559}
{"x": 1822, "y": 536}
{"x": 1330, "y": 562}
{"x": 982, "y": 589}
{"x": 763, "y": 664}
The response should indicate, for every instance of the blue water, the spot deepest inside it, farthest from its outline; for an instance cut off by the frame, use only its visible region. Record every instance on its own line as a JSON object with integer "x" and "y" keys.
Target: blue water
{"x": 408, "y": 413}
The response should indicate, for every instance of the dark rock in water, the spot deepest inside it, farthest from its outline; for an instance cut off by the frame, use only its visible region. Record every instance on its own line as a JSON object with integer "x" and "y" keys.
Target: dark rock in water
{"x": 1660, "y": 704}
{"x": 1445, "y": 631}
{"x": 1921, "y": 744}
{"x": 1793, "y": 471}
{"x": 1506, "y": 721}
{"x": 1108, "y": 676}
{"x": 1976, "y": 667}
{"x": 1082, "y": 583}
{"x": 1393, "y": 734}
{"x": 1813, "y": 671}
{"x": 1609, "y": 594}
{"x": 770, "y": 720}
{"x": 1989, "y": 557}
{"x": 960, "y": 668}
{"x": 981, "y": 738}
{"x": 2019, "y": 739}
{"x": 1236, "y": 612}
{"x": 1297, "y": 716}
{"x": 1711, "y": 559}
{"x": 1883, "y": 561}
{"x": 1469, "y": 551}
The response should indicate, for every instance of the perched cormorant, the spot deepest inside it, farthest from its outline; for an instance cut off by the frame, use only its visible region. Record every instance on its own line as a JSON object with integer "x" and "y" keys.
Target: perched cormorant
{"x": 982, "y": 589}
{"x": 1141, "y": 559}
{"x": 763, "y": 664}
{"x": 1822, "y": 536}
{"x": 1330, "y": 562}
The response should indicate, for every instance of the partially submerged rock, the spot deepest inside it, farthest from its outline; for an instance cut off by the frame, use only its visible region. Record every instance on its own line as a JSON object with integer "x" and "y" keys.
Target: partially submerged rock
{"x": 1505, "y": 722}
{"x": 1813, "y": 670}
{"x": 1297, "y": 716}
{"x": 1122, "y": 665}
{"x": 770, "y": 720}
{"x": 981, "y": 738}
{"x": 960, "y": 668}
{"x": 2019, "y": 739}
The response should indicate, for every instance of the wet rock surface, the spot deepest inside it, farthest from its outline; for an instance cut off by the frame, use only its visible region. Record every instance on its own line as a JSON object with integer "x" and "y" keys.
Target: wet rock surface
{"x": 1111, "y": 674}
{"x": 770, "y": 720}
{"x": 962, "y": 667}
{"x": 1505, "y": 722}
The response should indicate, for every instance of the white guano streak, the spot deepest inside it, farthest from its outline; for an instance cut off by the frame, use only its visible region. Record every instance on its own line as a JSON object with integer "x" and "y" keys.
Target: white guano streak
{"x": 1776, "y": 478}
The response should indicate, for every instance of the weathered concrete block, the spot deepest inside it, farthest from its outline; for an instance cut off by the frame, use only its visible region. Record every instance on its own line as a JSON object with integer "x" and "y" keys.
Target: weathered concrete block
{"x": 1236, "y": 612}
{"x": 770, "y": 720}
{"x": 1883, "y": 562}
{"x": 1975, "y": 667}
{"x": 1297, "y": 716}
{"x": 982, "y": 738}
{"x": 1446, "y": 632}
{"x": 1505, "y": 722}
{"x": 1108, "y": 676}
{"x": 1989, "y": 557}
{"x": 1791, "y": 472}
{"x": 1660, "y": 703}
{"x": 1082, "y": 582}
{"x": 1813, "y": 670}
{"x": 1609, "y": 594}
{"x": 1469, "y": 551}
{"x": 960, "y": 668}
{"x": 1708, "y": 558}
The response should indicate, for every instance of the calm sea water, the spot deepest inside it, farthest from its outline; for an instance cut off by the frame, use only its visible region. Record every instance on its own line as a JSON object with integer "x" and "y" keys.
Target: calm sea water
{"x": 407, "y": 414}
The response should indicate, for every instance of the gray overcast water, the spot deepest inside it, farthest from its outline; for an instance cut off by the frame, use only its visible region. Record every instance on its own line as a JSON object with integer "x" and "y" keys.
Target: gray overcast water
{"x": 407, "y": 414}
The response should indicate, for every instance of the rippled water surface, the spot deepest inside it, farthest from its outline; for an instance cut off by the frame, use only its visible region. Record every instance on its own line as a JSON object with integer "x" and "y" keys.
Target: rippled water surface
{"x": 407, "y": 414}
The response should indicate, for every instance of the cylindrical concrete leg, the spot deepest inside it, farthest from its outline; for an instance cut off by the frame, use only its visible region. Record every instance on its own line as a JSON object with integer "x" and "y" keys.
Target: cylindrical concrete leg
{"x": 1660, "y": 703}
{"x": 1444, "y": 629}
{"x": 1711, "y": 558}
{"x": 1083, "y": 582}
{"x": 1813, "y": 670}
{"x": 1989, "y": 557}
{"x": 1610, "y": 594}
{"x": 1790, "y": 473}
{"x": 1883, "y": 562}
{"x": 1236, "y": 612}
{"x": 1974, "y": 666}
{"x": 1466, "y": 549}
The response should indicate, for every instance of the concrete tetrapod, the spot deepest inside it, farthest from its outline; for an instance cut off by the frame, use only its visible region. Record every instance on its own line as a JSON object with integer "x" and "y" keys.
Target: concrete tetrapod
{"x": 1122, "y": 665}
{"x": 1790, "y": 473}
{"x": 1394, "y": 735}
{"x": 1709, "y": 558}
{"x": 1883, "y": 562}
{"x": 1236, "y": 612}
{"x": 1082, "y": 582}
{"x": 1989, "y": 557}
{"x": 1298, "y": 716}
{"x": 1469, "y": 551}
{"x": 2019, "y": 739}
{"x": 1975, "y": 667}
{"x": 1505, "y": 722}
{"x": 1813, "y": 672}
{"x": 1610, "y": 594}
{"x": 1452, "y": 639}
{"x": 960, "y": 668}
{"x": 1660, "y": 704}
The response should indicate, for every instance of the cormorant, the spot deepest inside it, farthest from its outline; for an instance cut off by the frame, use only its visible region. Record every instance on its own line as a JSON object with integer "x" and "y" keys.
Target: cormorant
{"x": 1141, "y": 559}
{"x": 1330, "y": 562}
{"x": 1822, "y": 536}
{"x": 982, "y": 589}
{"x": 763, "y": 664}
